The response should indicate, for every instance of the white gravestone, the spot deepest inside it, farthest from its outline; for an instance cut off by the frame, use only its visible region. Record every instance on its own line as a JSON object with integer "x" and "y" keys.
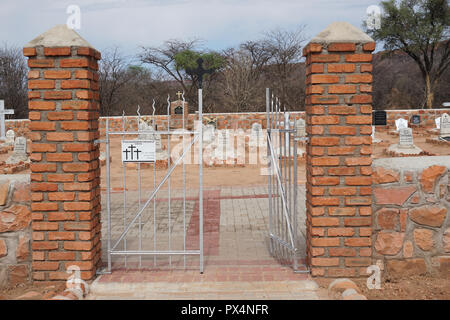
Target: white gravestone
{"x": 20, "y": 151}
{"x": 2, "y": 118}
{"x": 256, "y": 135}
{"x": 405, "y": 145}
{"x": 445, "y": 125}
{"x": 208, "y": 133}
{"x": 374, "y": 139}
{"x": 152, "y": 135}
{"x": 10, "y": 137}
{"x": 401, "y": 124}
{"x": 438, "y": 123}
{"x": 406, "y": 138}
{"x": 301, "y": 128}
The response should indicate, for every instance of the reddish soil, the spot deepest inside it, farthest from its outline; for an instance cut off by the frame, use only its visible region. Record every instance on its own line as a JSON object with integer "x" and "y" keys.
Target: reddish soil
{"x": 411, "y": 288}
{"x": 45, "y": 291}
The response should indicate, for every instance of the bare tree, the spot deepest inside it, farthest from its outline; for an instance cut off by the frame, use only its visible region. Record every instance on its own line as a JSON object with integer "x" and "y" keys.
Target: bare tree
{"x": 114, "y": 75}
{"x": 285, "y": 50}
{"x": 13, "y": 80}
{"x": 240, "y": 85}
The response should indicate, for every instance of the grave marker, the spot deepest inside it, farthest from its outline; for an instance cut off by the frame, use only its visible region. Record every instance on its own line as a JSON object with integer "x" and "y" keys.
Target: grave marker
{"x": 256, "y": 136}
{"x": 445, "y": 126}
{"x": 405, "y": 138}
{"x": 415, "y": 119}
{"x": 300, "y": 126}
{"x": 379, "y": 118}
{"x": 10, "y": 136}
{"x": 438, "y": 122}
{"x": 20, "y": 151}
{"x": 401, "y": 124}
{"x": 3, "y": 111}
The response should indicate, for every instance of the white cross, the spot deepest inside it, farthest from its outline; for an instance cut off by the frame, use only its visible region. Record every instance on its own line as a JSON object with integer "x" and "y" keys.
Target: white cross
{"x": 2, "y": 118}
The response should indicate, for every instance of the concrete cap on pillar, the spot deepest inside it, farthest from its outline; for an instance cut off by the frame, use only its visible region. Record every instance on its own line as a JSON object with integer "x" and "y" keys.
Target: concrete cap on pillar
{"x": 59, "y": 36}
{"x": 339, "y": 32}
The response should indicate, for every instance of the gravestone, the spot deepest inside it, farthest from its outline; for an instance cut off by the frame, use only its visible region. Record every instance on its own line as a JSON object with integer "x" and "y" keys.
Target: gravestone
{"x": 437, "y": 121}
{"x": 415, "y": 119}
{"x": 3, "y": 111}
{"x": 20, "y": 151}
{"x": 176, "y": 113}
{"x": 208, "y": 133}
{"x": 405, "y": 138}
{"x": 445, "y": 126}
{"x": 256, "y": 135}
{"x": 10, "y": 137}
{"x": 149, "y": 131}
{"x": 379, "y": 118}
{"x": 405, "y": 145}
{"x": 401, "y": 124}
{"x": 300, "y": 126}
{"x": 374, "y": 139}
{"x": 225, "y": 149}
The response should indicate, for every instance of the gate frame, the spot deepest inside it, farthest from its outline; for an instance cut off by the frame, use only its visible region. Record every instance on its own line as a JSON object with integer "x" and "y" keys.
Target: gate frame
{"x": 198, "y": 136}
{"x": 289, "y": 192}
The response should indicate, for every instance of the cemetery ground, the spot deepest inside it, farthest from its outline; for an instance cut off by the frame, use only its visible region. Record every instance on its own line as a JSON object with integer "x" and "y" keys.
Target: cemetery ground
{"x": 248, "y": 177}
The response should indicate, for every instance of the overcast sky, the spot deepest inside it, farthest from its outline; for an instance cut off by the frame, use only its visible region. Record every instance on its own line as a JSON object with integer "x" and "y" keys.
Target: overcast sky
{"x": 133, "y": 23}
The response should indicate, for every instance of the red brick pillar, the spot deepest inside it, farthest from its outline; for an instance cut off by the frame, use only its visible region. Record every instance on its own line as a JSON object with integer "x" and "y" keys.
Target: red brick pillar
{"x": 338, "y": 163}
{"x": 65, "y": 173}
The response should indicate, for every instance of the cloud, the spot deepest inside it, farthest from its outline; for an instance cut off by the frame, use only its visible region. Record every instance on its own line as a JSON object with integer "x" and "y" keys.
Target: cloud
{"x": 134, "y": 23}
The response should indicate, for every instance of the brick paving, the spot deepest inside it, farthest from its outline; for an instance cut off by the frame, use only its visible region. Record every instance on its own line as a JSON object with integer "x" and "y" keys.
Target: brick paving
{"x": 237, "y": 263}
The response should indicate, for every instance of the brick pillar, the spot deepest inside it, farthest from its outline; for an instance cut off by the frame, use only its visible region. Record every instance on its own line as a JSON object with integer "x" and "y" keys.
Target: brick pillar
{"x": 65, "y": 173}
{"x": 338, "y": 162}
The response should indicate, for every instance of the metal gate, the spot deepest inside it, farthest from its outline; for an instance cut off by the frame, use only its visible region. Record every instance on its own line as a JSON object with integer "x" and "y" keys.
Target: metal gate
{"x": 282, "y": 147}
{"x": 152, "y": 227}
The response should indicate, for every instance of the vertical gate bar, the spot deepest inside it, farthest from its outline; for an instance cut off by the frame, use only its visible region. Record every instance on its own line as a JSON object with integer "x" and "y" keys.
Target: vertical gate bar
{"x": 124, "y": 194}
{"x": 108, "y": 192}
{"x": 184, "y": 192}
{"x": 269, "y": 167}
{"x": 200, "y": 178}
{"x": 295, "y": 222}
{"x": 286, "y": 126}
{"x": 278, "y": 164}
{"x": 154, "y": 213}
{"x": 272, "y": 139}
{"x": 139, "y": 197}
{"x": 154, "y": 186}
{"x": 168, "y": 182}
{"x": 290, "y": 174}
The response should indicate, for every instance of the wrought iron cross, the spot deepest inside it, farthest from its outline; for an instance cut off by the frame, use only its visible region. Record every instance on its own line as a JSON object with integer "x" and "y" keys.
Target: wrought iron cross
{"x": 199, "y": 72}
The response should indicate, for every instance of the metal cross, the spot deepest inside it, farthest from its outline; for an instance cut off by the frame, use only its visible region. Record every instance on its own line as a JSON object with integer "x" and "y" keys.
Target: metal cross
{"x": 179, "y": 94}
{"x": 199, "y": 72}
{"x": 2, "y": 118}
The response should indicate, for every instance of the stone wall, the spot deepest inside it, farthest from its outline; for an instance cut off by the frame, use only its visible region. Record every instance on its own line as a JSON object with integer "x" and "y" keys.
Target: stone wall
{"x": 15, "y": 230}
{"x": 242, "y": 120}
{"x": 411, "y": 205}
